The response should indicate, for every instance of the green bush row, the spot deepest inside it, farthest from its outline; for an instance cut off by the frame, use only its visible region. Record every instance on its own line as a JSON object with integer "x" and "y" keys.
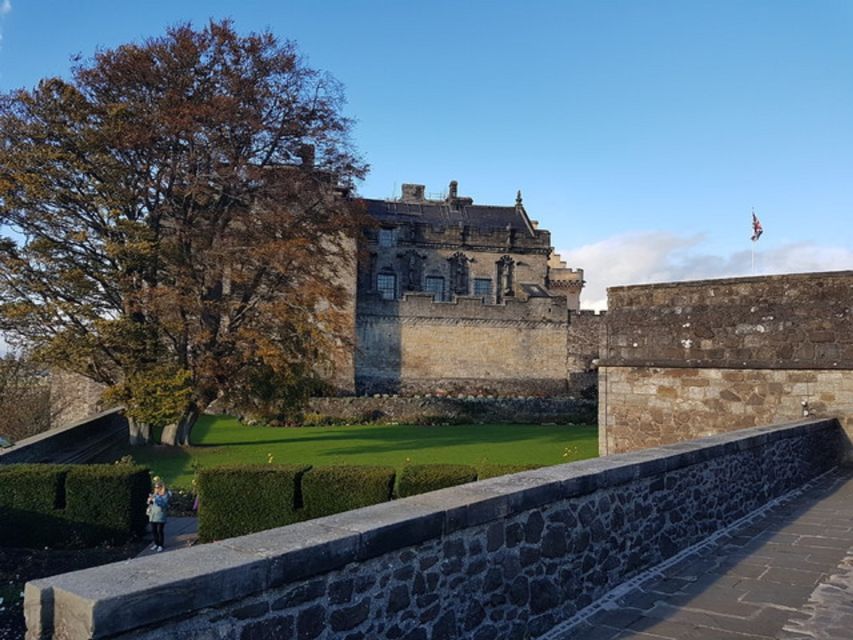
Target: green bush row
{"x": 240, "y": 499}
{"x": 71, "y": 505}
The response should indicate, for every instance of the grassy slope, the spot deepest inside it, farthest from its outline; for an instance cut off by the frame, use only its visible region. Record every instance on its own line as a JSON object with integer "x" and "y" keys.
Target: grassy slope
{"x": 223, "y": 440}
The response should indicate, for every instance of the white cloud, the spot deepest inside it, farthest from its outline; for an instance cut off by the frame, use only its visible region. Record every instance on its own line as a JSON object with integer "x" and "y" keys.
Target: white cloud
{"x": 5, "y": 7}
{"x": 657, "y": 256}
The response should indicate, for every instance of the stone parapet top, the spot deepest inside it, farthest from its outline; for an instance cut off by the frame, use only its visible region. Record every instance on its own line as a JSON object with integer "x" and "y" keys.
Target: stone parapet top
{"x": 701, "y": 284}
{"x": 112, "y": 599}
{"x": 711, "y": 363}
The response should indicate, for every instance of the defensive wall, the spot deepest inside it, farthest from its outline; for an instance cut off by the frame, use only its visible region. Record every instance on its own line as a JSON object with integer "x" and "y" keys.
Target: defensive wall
{"x": 508, "y": 558}
{"x": 682, "y": 360}
{"x": 417, "y": 345}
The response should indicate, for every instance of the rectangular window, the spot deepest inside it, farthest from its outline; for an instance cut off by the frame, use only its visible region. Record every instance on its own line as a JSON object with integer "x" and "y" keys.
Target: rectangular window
{"x": 483, "y": 287}
{"x": 435, "y": 286}
{"x": 386, "y": 284}
{"x": 386, "y": 237}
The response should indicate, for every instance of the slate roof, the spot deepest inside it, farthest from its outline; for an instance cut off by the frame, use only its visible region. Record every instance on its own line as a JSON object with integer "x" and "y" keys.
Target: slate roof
{"x": 442, "y": 214}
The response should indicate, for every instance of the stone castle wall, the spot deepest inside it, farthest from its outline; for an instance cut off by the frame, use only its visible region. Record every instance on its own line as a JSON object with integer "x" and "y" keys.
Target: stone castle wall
{"x": 682, "y": 360}
{"x": 520, "y": 556}
{"x": 583, "y": 346}
{"x": 416, "y": 345}
{"x": 73, "y": 397}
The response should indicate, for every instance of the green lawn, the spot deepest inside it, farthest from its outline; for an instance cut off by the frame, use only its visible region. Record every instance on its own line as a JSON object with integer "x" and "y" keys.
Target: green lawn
{"x": 223, "y": 440}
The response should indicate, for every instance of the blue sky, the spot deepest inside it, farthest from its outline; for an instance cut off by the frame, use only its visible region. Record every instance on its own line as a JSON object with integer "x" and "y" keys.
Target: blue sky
{"x": 641, "y": 133}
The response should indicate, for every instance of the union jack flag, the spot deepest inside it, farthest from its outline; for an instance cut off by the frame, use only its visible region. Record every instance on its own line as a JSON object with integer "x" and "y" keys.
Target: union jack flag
{"x": 756, "y": 228}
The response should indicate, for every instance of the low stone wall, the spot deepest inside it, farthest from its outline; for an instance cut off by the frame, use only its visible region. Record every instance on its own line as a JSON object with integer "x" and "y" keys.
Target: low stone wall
{"x": 468, "y": 408}
{"x": 505, "y": 558}
{"x": 65, "y": 443}
{"x": 644, "y": 407}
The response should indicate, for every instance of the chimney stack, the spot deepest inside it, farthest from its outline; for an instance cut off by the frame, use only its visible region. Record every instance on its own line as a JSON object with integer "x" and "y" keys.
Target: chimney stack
{"x": 413, "y": 192}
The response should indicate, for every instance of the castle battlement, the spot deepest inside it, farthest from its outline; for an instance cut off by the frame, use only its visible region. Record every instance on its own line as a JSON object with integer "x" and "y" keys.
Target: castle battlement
{"x": 422, "y": 305}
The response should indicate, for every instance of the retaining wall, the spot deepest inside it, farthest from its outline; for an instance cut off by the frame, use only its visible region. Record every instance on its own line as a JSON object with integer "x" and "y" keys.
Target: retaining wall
{"x": 69, "y": 443}
{"x": 468, "y": 408}
{"x": 505, "y": 558}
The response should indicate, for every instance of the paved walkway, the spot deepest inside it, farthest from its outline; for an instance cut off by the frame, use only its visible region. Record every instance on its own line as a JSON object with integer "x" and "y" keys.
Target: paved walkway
{"x": 786, "y": 575}
{"x": 178, "y": 533}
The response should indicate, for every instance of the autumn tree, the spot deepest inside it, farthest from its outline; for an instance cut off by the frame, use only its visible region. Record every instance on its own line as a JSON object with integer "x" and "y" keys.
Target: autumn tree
{"x": 177, "y": 221}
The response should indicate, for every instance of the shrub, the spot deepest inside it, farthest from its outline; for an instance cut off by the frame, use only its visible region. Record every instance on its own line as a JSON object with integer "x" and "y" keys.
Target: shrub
{"x": 420, "y": 478}
{"x": 31, "y": 504}
{"x": 65, "y": 505}
{"x": 328, "y": 490}
{"x": 494, "y": 470}
{"x": 239, "y": 499}
{"x": 106, "y": 502}
{"x": 320, "y": 420}
{"x": 181, "y": 502}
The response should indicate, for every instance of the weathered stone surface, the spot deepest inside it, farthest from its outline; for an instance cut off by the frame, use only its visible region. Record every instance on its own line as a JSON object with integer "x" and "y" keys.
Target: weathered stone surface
{"x": 508, "y": 577}
{"x": 690, "y": 359}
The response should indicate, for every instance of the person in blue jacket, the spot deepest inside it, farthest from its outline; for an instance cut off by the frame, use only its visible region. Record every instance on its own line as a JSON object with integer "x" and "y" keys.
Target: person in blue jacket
{"x": 158, "y": 503}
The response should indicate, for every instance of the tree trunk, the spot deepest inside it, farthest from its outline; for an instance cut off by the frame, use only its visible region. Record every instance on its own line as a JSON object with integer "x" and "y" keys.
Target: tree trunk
{"x": 139, "y": 432}
{"x": 169, "y": 435}
{"x": 185, "y": 425}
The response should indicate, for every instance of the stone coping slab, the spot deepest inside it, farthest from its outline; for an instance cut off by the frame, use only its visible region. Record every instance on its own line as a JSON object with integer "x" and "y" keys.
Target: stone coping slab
{"x": 115, "y": 598}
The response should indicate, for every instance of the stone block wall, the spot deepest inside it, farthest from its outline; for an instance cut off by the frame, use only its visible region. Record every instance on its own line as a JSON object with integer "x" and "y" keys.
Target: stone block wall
{"x": 686, "y": 359}
{"x": 417, "y": 346}
{"x": 507, "y": 558}
{"x": 583, "y": 346}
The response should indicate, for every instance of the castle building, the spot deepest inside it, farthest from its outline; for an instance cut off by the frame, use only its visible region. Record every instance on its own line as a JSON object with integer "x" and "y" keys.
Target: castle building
{"x": 459, "y": 297}
{"x": 447, "y": 297}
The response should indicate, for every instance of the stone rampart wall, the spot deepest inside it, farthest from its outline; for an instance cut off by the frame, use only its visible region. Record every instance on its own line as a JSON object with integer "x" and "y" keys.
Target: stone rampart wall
{"x": 420, "y": 346}
{"x": 797, "y": 321}
{"x": 693, "y": 358}
{"x": 583, "y": 344}
{"x": 508, "y": 557}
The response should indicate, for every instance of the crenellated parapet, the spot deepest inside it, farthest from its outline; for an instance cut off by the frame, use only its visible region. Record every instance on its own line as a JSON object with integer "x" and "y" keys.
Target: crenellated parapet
{"x": 471, "y": 309}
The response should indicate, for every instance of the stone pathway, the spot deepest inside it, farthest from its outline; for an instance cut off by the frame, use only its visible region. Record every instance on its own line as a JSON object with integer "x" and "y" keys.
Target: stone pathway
{"x": 786, "y": 575}
{"x": 179, "y": 533}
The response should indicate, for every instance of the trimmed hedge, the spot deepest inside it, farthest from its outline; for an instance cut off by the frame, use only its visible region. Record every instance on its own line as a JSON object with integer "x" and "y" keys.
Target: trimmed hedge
{"x": 328, "y": 490}
{"x": 106, "y": 502}
{"x": 238, "y": 499}
{"x": 421, "y": 478}
{"x": 69, "y": 505}
{"x": 494, "y": 470}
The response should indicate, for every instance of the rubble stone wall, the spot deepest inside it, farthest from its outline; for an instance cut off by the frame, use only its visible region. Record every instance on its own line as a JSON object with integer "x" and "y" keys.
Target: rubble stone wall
{"x": 507, "y": 558}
